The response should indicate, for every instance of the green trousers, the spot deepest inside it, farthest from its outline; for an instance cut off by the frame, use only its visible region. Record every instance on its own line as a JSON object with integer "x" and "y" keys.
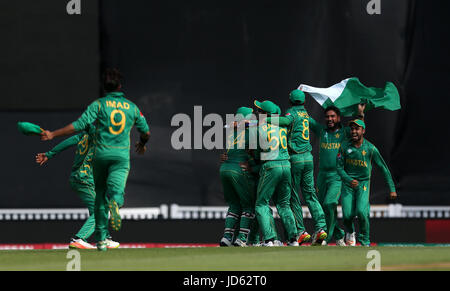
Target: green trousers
{"x": 302, "y": 169}
{"x": 275, "y": 183}
{"x": 87, "y": 195}
{"x": 254, "y": 236}
{"x": 355, "y": 203}
{"x": 329, "y": 186}
{"x": 239, "y": 194}
{"x": 110, "y": 176}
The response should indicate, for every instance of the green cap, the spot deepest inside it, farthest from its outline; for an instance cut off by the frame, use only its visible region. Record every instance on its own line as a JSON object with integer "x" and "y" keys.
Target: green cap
{"x": 29, "y": 128}
{"x": 244, "y": 112}
{"x": 358, "y": 122}
{"x": 297, "y": 96}
{"x": 267, "y": 106}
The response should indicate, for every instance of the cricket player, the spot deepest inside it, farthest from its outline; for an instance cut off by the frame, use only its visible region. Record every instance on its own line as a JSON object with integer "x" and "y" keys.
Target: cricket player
{"x": 238, "y": 185}
{"x": 275, "y": 177}
{"x": 354, "y": 165}
{"x": 250, "y": 166}
{"x": 113, "y": 116}
{"x": 302, "y": 167}
{"x": 329, "y": 182}
{"x": 81, "y": 181}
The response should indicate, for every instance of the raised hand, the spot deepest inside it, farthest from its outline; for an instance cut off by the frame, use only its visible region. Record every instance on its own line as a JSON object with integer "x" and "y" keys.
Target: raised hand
{"x": 361, "y": 108}
{"x": 41, "y": 158}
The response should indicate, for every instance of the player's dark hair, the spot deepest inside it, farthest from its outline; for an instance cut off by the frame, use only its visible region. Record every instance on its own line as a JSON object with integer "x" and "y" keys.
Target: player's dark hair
{"x": 111, "y": 79}
{"x": 333, "y": 108}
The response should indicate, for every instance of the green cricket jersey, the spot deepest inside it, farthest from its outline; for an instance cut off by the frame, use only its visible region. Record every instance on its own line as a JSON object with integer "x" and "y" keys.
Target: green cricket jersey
{"x": 81, "y": 167}
{"x": 298, "y": 138}
{"x": 356, "y": 163}
{"x": 113, "y": 117}
{"x": 329, "y": 143}
{"x": 272, "y": 143}
{"x": 237, "y": 143}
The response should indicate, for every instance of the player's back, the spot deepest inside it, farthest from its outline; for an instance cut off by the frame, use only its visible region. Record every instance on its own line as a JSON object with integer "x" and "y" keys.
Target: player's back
{"x": 273, "y": 143}
{"x": 298, "y": 139}
{"x": 117, "y": 116}
{"x": 237, "y": 141}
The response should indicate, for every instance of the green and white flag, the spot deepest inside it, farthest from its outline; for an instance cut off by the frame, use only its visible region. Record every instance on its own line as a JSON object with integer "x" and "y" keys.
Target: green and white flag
{"x": 350, "y": 92}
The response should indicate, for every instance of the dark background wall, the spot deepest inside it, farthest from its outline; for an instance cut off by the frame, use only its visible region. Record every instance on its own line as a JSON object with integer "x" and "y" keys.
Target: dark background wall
{"x": 221, "y": 55}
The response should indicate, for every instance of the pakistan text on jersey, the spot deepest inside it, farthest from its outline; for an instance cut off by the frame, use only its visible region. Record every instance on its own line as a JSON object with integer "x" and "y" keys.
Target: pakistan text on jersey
{"x": 358, "y": 163}
{"x": 330, "y": 146}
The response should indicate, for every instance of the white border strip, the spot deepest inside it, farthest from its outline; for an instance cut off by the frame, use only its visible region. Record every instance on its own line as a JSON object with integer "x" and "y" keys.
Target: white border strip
{"x": 176, "y": 211}
{"x": 80, "y": 214}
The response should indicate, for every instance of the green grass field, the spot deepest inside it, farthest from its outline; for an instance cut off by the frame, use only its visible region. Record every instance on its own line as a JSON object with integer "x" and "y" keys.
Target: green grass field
{"x": 233, "y": 259}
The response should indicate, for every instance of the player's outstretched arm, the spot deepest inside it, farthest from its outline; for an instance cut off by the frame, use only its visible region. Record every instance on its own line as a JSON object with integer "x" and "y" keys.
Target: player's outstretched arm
{"x": 381, "y": 164}
{"x": 49, "y": 135}
{"x": 281, "y": 121}
{"x": 87, "y": 118}
{"x": 65, "y": 144}
{"x": 42, "y": 158}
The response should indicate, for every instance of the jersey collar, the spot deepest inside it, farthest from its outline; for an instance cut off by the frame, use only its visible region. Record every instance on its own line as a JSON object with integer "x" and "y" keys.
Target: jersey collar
{"x": 115, "y": 94}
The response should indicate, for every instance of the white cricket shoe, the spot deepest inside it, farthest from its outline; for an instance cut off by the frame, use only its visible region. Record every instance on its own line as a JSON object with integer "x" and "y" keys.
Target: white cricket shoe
{"x": 224, "y": 242}
{"x": 268, "y": 244}
{"x": 110, "y": 244}
{"x": 80, "y": 244}
{"x": 277, "y": 243}
{"x": 239, "y": 243}
{"x": 255, "y": 245}
{"x": 350, "y": 239}
{"x": 293, "y": 244}
{"x": 341, "y": 242}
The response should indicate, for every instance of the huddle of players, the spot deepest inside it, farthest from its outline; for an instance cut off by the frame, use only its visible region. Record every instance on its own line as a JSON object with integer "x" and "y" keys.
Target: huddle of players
{"x": 102, "y": 159}
{"x": 281, "y": 164}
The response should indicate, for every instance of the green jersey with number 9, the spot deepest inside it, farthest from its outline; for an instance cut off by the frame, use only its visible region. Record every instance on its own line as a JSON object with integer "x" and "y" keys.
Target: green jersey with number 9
{"x": 113, "y": 116}
{"x": 299, "y": 130}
